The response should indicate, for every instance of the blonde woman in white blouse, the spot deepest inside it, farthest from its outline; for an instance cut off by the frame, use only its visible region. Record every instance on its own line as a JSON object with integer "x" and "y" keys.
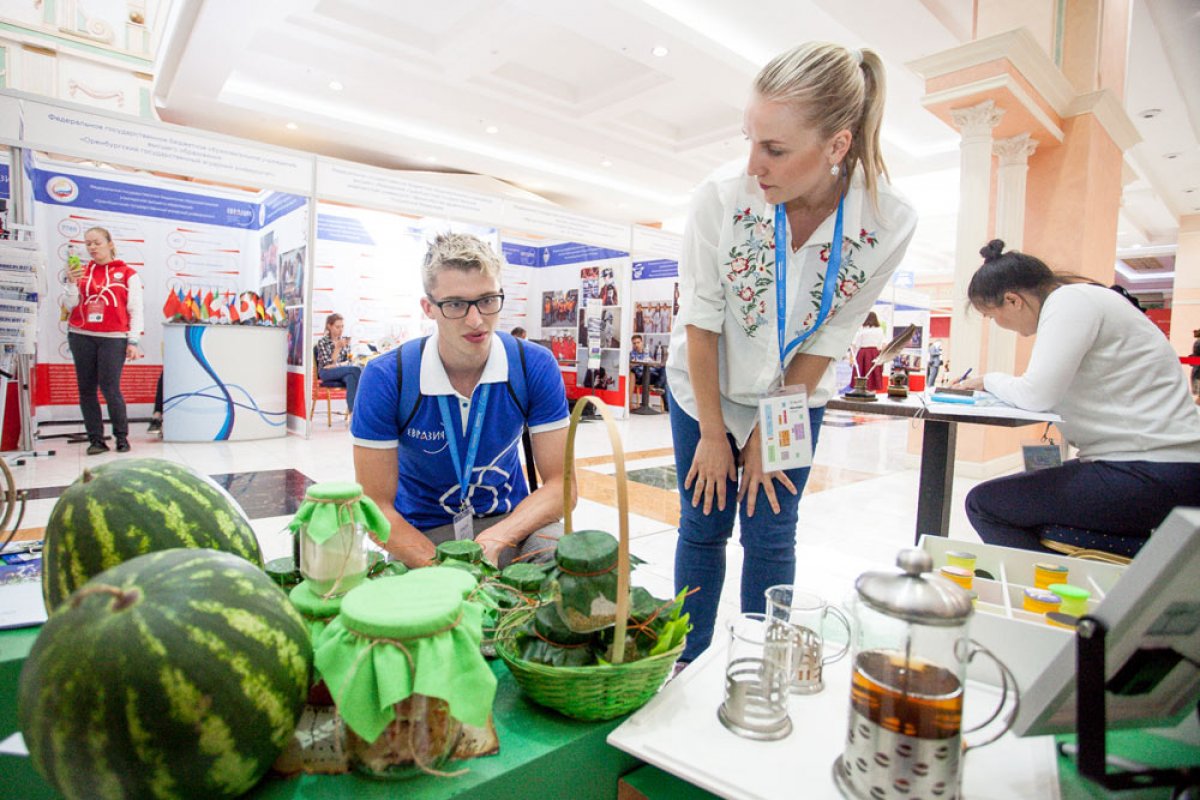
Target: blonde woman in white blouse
{"x": 813, "y": 125}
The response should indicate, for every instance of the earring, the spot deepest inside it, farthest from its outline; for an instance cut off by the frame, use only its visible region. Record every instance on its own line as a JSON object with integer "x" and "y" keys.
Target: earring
{"x": 835, "y": 170}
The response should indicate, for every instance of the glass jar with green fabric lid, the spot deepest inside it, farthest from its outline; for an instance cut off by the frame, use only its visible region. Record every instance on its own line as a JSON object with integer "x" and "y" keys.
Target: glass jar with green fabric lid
{"x": 332, "y": 523}
{"x": 402, "y": 662}
{"x": 583, "y": 580}
{"x": 317, "y": 612}
{"x": 525, "y": 578}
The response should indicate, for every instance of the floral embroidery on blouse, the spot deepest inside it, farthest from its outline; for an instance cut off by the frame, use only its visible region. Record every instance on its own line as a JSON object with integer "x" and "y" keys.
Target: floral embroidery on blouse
{"x": 751, "y": 271}
{"x": 751, "y": 268}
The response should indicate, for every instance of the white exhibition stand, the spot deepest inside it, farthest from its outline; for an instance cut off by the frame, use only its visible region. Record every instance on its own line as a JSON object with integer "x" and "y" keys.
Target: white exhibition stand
{"x": 678, "y": 731}
{"x": 224, "y": 382}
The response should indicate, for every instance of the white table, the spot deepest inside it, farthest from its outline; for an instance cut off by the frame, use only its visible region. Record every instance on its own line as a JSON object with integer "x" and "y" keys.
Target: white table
{"x": 937, "y": 447}
{"x": 678, "y": 731}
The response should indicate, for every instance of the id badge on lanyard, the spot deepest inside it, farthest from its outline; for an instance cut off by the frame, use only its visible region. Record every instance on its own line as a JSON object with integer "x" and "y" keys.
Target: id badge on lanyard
{"x": 783, "y": 424}
{"x": 464, "y": 518}
{"x": 93, "y": 310}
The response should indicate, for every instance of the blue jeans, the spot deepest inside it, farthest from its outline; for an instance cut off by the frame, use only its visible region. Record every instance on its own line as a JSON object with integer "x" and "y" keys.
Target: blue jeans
{"x": 348, "y": 376}
{"x": 1127, "y": 498}
{"x": 768, "y": 539}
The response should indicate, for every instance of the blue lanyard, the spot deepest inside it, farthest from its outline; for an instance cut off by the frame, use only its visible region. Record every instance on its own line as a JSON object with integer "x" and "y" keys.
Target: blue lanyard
{"x": 462, "y": 468}
{"x": 781, "y": 251}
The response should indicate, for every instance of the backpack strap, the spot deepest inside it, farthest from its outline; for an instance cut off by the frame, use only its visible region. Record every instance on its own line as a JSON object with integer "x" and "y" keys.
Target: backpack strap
{"x": 518, "y": 380}
{"x": 408, "y": 387}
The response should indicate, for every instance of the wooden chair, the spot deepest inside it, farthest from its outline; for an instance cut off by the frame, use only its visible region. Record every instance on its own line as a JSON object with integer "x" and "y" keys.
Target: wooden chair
{"x": 1108, "y": 548}
{"x": 325, "y": 390}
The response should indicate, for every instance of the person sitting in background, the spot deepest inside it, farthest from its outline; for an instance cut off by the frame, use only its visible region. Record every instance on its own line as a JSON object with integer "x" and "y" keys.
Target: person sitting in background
{"x": 637, "y": 355}
{"x": 333, "y": 359}
{"x": 1112, "y": 376}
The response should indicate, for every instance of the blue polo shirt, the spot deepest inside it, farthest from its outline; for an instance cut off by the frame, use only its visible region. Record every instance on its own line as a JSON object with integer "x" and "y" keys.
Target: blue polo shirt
{"x": 427, "y": 494}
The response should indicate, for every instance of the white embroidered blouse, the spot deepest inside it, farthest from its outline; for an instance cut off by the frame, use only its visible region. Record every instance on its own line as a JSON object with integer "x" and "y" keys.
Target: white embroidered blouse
{"x": 727, "y": 285}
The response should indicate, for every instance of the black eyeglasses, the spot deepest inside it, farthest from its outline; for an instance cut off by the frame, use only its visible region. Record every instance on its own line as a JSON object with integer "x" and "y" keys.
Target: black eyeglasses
{"x": 488, "y": 305}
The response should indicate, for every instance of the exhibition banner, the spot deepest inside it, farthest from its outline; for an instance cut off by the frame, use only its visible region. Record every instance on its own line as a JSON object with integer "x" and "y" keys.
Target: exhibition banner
{"x": 652, "y": 270}
{"x": 4, "y": 182}
{"x": 654, "y": 243}
{"x": 158, "y": 146}
{"x": 555, "y": 223}
{"x": 380, "y": 188}
{"x": 10, "y": 120}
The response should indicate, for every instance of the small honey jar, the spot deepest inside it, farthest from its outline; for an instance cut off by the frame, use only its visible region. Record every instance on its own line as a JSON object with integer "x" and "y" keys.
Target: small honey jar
{"x": 961, "y": 558}
{"x": 1046, "y": 574}
{"x": 1040, "y": 601}
{"x": 1074, "y": 599}
{"x": 962, "y": 577}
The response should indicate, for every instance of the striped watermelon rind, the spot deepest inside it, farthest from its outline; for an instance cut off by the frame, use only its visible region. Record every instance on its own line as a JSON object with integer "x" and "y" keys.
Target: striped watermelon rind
{"x": 130, "y": 507}
{"x": 178, "y": 674}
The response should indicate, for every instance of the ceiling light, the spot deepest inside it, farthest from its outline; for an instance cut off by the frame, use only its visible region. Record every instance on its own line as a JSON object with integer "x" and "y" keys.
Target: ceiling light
{"x": 431, "y": 159}
{"x": 1150, "y": 113}
{"x": 1171, "y": 156}
{"x": 606, "y": 163}
{"x": 291, "y": 126}
{"x": 658, "y": 51}
{"x": 1189, "y": 190}
{"x": 491, "y": 129}
{"x": 336, "y": 86}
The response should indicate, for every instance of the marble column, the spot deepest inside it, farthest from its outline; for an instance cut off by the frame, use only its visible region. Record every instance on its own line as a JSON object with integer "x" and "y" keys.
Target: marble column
{"x": 975, "y": 124}
{"x": 1013, "y": 154}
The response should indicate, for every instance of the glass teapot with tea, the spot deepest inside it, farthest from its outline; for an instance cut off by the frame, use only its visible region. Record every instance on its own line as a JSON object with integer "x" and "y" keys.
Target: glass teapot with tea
{"x": 910, "y": 656}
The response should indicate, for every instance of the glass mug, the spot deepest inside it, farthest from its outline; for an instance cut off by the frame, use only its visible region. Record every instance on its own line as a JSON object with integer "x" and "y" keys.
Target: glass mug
{"x": 757, "y": 674}
{"x": 807, "y": 613}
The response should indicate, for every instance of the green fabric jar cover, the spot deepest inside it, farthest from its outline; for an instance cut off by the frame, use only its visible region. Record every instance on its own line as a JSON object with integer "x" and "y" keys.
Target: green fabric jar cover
{"x": 316, "y": 610}
{"x": 583, "y": 581}
{"x": 398, "y": 636}
{"x": 329, "y": 506}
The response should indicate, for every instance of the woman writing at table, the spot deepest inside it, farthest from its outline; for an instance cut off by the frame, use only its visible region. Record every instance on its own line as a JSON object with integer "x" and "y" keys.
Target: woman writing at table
{"x": 815, "y": 172}
{"x": 1112, "y": 376}
{"x": 104, "y": 331}
{"x": 333, "y": 359}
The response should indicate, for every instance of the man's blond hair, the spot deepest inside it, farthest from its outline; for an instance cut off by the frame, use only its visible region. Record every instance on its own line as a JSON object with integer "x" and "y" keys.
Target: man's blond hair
{"x": 460, "y": 251}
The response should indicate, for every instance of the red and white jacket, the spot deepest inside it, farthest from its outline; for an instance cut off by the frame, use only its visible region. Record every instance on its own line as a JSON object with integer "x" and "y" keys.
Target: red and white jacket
{"x": 107, "y": 301}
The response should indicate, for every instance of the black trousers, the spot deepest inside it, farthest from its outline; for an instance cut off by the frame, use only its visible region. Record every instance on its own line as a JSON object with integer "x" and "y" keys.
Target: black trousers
{"x": 98, "y": 364}
{"x": 1128, "y": 498}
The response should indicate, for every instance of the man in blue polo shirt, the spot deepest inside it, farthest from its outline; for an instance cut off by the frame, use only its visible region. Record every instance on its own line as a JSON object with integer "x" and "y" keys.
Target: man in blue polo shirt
{"x": 465, "y": 422}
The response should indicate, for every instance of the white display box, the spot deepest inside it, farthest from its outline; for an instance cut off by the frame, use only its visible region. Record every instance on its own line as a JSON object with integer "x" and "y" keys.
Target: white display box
{"x": 1023, "y": 641}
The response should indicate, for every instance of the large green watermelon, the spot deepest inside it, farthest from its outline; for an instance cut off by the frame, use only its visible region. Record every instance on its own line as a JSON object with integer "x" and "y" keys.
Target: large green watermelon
{"x": 129, "y": 507}
{"x": 178, "y": 674}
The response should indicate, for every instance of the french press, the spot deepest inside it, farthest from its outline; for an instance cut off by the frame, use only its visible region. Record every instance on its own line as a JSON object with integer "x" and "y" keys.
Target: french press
{"x": 910, "y": 656}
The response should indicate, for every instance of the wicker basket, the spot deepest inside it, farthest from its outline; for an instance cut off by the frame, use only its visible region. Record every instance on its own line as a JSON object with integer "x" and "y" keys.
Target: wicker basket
{"x": 603, "y": 691}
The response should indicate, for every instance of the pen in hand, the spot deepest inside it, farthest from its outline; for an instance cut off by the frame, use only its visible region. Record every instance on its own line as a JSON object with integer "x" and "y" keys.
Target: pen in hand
{"x": 964, "y": 375}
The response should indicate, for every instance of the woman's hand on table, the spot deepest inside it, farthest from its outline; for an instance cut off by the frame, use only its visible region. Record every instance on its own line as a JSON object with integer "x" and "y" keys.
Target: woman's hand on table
{"x": 753, "y": 476}
{"x": 712, "y": 466}
{"x": 975, "y": 383}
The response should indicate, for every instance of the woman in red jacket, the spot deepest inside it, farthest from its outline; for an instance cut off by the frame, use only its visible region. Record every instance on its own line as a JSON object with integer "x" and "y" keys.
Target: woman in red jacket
{"x": 105, "y": 328}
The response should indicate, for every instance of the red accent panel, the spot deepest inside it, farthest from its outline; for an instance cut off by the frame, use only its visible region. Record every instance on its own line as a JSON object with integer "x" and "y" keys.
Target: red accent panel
{"x": 939, "y": 327}
{"x": 11, "y": 438}
{"x": 54, "y": 384}
{"x": 297, "y": 395}
{"x": 1160, "y": 317}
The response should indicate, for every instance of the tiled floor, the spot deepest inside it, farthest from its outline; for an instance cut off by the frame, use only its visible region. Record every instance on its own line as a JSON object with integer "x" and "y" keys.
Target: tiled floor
{"x": 858, "y": 509}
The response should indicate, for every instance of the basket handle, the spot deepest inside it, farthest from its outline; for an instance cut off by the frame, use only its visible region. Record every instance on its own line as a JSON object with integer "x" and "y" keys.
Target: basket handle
{"x": 622, "y": 507}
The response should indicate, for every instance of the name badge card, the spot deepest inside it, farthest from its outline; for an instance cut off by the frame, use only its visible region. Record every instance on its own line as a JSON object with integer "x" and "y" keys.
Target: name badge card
{"x": 464, "y": 524}
{"x": 784, "y": 429}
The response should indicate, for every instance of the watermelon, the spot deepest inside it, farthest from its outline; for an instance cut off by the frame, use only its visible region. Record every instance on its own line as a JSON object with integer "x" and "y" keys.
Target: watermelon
{"x": 129, "y": 507}
{"x": 178, "y": 674}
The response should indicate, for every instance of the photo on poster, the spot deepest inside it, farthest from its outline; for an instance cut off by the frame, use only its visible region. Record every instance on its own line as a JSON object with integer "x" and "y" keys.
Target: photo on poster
{"x": 675, "y": 309}
{"x": 652, "y": 317}
{"x": 917, "y": 339}
{"x": 560, "y": 308}
{"x": 295, "y": 337}
{"x": 562, "y": 343}
{"x": 608, "y": 287}
{"x": 589, "y": 280}
{"x": 605, "y": 377}
{"x": 610, "y": 327}
{"x": 291, "y": 267}
{"x": 269, "y": 292}
{"x": 268, "y": 267}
